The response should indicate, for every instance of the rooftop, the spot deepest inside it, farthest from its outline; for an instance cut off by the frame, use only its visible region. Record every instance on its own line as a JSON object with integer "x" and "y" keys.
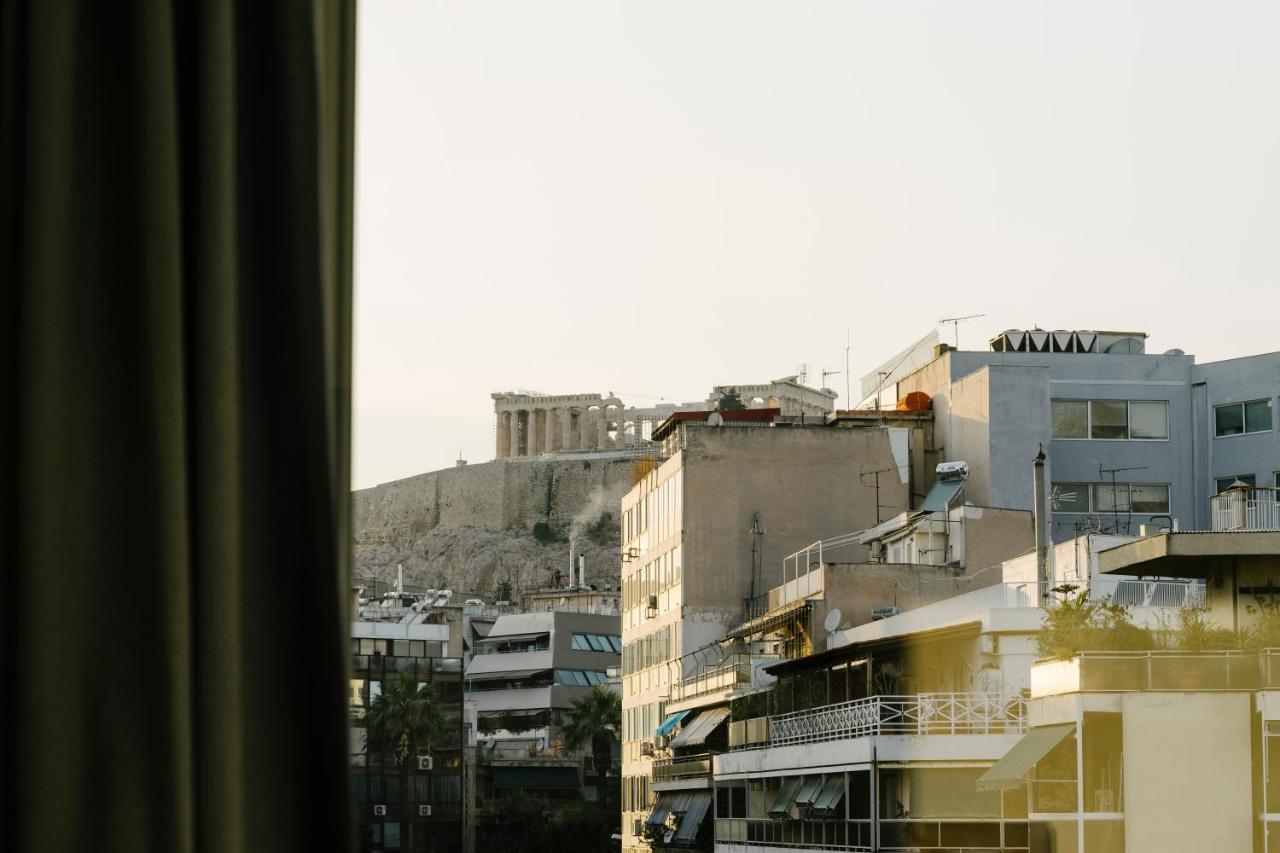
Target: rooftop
{"x": 1186, "y": 553}
{"x": 729, "y": 416}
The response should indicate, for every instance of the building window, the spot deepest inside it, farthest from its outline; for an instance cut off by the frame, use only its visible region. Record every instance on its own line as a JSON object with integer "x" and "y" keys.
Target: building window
{"x": 1124, "y": 420}
{"x": 1225, "y": 483}
{"x": 1138, "y": 498}
{"x": 1241, "y": 418}
{"x": 1108, "y": 419}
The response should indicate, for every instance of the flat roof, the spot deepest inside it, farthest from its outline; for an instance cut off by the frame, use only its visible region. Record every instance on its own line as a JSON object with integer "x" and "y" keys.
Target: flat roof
{"x": 1189, "y": 554}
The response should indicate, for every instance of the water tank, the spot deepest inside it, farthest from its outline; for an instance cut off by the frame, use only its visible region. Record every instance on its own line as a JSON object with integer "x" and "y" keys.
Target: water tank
{"x": 916, "y": 401}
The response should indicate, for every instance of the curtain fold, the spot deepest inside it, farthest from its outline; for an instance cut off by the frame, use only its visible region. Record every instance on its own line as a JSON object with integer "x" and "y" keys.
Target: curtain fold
{"x": 175, "y": 218}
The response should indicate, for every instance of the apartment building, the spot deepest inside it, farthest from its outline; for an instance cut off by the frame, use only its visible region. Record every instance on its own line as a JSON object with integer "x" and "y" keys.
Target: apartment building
{"x": 1132, "y": 437}
{"x": 1150, "y": 751}
{"x": 523, "y": 678}
{"x": 875, "y": 736}
{"x": 395, "y": 641}
{"x": 704, "y": 534}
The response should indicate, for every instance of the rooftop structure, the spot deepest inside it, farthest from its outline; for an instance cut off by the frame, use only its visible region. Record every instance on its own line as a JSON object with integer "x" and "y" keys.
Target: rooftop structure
{"x": 1132, "y": 437}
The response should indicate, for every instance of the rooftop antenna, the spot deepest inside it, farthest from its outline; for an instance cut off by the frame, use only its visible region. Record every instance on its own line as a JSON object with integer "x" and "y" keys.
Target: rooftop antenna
{"x": 955, "y": 324}
{"x": 802, "y": 373}
{"x": 1115, "y": 513}
{"x": 848, "y": 396}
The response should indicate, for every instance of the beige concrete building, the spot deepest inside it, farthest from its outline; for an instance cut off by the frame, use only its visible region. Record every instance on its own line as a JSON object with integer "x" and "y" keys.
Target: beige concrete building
{"x": 706, "y": 532}
{"x": 529, "y": 423}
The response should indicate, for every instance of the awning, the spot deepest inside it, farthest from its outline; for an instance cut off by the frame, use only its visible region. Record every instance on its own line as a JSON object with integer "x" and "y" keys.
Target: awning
{"x": 829, "y": 796}
{"x": 1009, "y": 771}
{"x": 809, "y": 791}
{"x": 786, "y": 797}
{"x": 697, "y": 804}
{"x": 697, "y": 732}
{"x": 670, "y": 723}
{"x": 661, "y": 809}
{"x": 508, "y": 675}
{"x": 941, "y": 496}
{"x": 494, "y": 639}
{"x": 539, "y": 778}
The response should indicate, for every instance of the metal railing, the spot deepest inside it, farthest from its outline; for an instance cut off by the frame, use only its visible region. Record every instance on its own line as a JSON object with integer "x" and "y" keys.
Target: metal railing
{"x": 1162, "y": 670}
{"x": 1150, "y": 593}
{"x": 733, "y": 672}
{"x": 682, "y": 767}
{"x": 924, "y": 713}
{"x": 1252, "y": 508}
{"x": 905, "y": 834}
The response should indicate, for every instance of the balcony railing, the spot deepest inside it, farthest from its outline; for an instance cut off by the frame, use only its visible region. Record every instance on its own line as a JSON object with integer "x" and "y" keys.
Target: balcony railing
{"x": 1252, "y": 508}
{"x": 976, "y": 834}
{"x": 735, "y": 671}
{"x": 1149, "y": 593}
{"x": 1152, "y": 670}
{"x": 921, "y": 714}
{"x": 682, "y": 767}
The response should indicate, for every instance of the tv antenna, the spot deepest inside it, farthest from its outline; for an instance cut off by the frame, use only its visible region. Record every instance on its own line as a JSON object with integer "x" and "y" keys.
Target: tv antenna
{"x": 1115, "y": 513}
{"x": 848, "y": 396}
{"x": 955, "y": 324}
{"x": 863, "y": 477}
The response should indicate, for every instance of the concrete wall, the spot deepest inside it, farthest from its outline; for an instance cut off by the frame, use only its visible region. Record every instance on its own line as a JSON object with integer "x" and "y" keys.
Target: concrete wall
{"x": 805, "y": 483}
{"x": 1186, "y": 785}
{"x": 1234, "y": 381}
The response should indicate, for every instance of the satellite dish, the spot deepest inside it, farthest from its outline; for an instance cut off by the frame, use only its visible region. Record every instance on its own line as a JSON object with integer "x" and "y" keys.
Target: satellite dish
{"x": 832, "y": 622}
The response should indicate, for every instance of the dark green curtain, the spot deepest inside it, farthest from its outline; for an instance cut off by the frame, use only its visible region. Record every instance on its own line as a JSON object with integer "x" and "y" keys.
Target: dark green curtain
{"x": 175, "y": 218}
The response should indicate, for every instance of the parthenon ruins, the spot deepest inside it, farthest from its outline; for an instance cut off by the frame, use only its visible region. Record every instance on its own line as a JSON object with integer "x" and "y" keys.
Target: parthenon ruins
{"x": 529, "y": 423}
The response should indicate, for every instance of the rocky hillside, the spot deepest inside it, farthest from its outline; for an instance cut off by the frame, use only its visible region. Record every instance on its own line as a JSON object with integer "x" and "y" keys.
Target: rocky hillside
{"x": 475, "y": 527}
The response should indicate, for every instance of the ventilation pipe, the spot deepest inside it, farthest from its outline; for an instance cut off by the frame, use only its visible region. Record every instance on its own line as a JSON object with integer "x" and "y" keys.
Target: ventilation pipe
{"x": 582, "y": 571}
{"x": 1038, "y": 518}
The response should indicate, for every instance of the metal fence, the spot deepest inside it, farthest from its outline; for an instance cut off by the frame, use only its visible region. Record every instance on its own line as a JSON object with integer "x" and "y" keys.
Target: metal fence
{"x": 924, "y": 713}
{"x": 1254, "y": 508}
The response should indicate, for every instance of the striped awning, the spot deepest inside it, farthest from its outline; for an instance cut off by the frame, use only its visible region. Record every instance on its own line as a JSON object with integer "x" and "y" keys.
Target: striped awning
{"x": 670, "y": 723}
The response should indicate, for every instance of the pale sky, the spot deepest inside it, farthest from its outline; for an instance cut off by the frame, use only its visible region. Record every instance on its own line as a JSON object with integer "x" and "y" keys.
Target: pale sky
{"x": 652, "y": 198}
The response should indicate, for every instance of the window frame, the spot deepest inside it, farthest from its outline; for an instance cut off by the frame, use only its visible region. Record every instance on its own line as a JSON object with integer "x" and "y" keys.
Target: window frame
{"x": 1244, "y": 417}
{"x": 1088, "y": 425}
{"x": 1127, "y": 486}
{"x": 1231, "y": 478}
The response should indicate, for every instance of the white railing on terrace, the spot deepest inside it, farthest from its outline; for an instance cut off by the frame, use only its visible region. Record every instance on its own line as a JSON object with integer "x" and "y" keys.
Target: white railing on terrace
{"x": 1132, "y": 592}
{"x": 922, "y": 714}
{"x": 1252, "y": 508}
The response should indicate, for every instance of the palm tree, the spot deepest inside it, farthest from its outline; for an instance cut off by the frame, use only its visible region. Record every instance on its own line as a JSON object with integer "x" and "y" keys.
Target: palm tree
{"x": 596, "y": 719}
{"x": 405, "y": 717}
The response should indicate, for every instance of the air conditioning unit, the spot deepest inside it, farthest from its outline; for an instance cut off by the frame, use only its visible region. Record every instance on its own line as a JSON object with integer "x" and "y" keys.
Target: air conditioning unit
{"x": 646, "y": 747}
{"x": 653, "y": 602}
{"x": 660, "y": 742}
{"x": 379, "y": 811}
{"x": 424, "y": 762}
{"x": 884, "y": 612}
{"x": 424, "y": 811}
{"x": 877, "y": 549}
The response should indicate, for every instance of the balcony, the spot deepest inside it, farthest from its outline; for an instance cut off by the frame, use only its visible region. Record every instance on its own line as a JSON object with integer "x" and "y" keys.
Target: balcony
{"x": 735, "y": 671}
{"x": 922, "y": 714}
{"x": 1154, "y": 670}
{"x": 682, "y": 767}
{"x": 1245, "y": 508}
{"x": 1132, "y": 592}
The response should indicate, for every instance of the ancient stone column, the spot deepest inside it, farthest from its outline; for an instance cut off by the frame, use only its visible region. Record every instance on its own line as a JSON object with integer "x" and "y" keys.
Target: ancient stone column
{"x": 503, "y": 450}
{"x": 602, "y": 429}
{"x": 533, "y": 435}
{"x": 513, "y": 434}
{"x": 567, "y": 440}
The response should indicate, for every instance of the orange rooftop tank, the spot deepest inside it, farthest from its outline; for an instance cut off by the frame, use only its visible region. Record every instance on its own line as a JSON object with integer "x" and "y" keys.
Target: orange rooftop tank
{"x": 916, "y": 401}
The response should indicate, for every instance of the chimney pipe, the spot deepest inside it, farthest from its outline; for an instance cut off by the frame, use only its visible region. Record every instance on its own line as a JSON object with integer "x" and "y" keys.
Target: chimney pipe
{"x": 400, "y": 578}
{"x": 582, "y": 571}
{"x": 1038, "y": 518}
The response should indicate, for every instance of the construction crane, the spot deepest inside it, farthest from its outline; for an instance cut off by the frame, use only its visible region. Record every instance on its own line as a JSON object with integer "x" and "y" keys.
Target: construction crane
{"x": 955, "y": 323}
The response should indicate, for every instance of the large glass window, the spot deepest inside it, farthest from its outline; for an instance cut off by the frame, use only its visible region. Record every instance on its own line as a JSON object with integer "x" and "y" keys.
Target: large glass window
{"x": 1148, "y": 498}
{"x": 1069, "y": 497}
{"x": 1140, "y": 498}
{"x": 1070, "y": 418}
{"x": 1225, "y": 483}
{"x": 1148, "y": 419}
{"x": 1108, "y": 419}
{"x": 1134, "y": 420}
{"x": 1241, "y": 418}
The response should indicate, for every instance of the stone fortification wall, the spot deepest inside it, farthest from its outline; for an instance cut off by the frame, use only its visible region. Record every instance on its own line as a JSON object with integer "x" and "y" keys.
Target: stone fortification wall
{"x": 475, "y": 526}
